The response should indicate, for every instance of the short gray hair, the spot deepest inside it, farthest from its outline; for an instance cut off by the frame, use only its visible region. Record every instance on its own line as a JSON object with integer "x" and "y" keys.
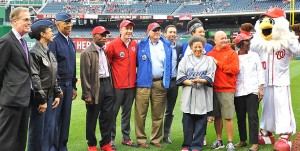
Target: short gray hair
{"x": 16, "y": 12}
{"x": 194, "y": 39}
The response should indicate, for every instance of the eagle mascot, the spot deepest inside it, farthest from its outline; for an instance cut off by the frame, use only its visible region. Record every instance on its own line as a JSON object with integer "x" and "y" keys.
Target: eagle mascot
{"x": 276, "y": 44}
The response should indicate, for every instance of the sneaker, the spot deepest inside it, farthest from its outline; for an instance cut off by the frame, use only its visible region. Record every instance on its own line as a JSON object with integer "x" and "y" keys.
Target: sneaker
{"x": 283, "y": 144}
{"x": 265, "y": 137}
{"x": 217, "y": 144}
{"x": 184, "y": 149}
{"x": 230, "y": 146}
{"x": 204, "y": 142}
{"x": 129, "y": 143}
{"x": 113, "y": 145}
{"x": 107, "y": 147}
{"x": 92, "y": 148}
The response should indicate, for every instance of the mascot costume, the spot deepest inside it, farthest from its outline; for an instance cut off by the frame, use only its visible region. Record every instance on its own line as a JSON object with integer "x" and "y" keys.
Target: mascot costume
{"x": 275, "y": 44}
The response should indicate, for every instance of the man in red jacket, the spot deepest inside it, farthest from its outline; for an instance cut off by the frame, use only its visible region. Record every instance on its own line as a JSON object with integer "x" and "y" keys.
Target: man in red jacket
{"x": 224, "y": 87}
{"x": 121, "y": 54}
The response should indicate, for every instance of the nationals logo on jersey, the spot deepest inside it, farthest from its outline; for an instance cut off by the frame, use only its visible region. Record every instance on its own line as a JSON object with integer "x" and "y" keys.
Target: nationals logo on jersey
{"x": 280, "y": 54}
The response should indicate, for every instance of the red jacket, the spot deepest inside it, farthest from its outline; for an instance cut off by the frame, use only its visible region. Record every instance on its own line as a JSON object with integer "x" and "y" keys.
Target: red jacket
{"x": 227, "y": 69}
{"x": 123, "y": 63}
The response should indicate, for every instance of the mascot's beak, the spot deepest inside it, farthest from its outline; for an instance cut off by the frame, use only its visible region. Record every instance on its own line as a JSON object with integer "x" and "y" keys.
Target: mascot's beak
{"x": 266, "y": 26}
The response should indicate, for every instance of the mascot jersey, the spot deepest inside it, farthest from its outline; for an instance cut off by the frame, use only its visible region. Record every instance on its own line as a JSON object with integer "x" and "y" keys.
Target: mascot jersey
{"x": 275, "y": 45}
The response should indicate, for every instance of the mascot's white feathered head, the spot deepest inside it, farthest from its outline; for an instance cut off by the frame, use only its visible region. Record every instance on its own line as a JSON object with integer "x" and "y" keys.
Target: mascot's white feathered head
{"x": 272, "y": 31}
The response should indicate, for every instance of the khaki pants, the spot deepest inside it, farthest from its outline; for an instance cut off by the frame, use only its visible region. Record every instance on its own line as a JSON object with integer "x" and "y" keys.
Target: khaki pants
{"x": 157, "y": 97}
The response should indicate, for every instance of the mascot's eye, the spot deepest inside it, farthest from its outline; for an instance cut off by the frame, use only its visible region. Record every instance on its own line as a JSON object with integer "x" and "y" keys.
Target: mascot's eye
{"x": 260, "y": 20}
{"x": 272, "y": 21}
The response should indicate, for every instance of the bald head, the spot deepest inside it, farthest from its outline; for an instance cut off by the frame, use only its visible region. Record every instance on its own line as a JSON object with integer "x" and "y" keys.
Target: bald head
{"x": 221, "y": 39}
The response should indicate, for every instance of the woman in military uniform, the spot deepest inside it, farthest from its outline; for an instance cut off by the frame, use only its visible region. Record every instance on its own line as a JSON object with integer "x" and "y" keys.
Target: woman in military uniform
{"x": 47, "y": 93}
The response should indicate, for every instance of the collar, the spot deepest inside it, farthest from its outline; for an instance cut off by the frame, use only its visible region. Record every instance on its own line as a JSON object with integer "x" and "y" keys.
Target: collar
{"x": 18, "y": 36}
{"x": 67, "y": 37}
{"x": 154, "y": 43}
{"x": 98, "y": 48}
{"x": 44, "y": 49}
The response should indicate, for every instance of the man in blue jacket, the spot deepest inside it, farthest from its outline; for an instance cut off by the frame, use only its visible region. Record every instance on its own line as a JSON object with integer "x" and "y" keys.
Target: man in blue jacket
{"x": 153, "y": 79}
{"x": 64, "y": 50}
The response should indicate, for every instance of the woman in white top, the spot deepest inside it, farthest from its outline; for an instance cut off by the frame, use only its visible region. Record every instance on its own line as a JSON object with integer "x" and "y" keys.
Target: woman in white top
{"x": 249, "y": 91}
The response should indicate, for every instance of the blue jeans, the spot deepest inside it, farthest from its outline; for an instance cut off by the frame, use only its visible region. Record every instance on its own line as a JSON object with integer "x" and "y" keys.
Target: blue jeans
{"x": 193, "y": 130}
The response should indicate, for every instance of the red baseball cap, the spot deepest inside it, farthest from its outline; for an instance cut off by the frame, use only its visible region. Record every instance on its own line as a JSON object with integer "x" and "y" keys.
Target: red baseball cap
{"x": 153, "y": 26}
{"x": 99, "y": 30}
{"x": 125, "y": 23}
{"x": 274, "y": 13}
{"x": 241, "y": 37}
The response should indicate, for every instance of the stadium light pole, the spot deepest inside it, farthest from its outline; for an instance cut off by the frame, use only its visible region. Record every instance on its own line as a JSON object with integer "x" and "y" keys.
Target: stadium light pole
{"x": 292, "y": 10}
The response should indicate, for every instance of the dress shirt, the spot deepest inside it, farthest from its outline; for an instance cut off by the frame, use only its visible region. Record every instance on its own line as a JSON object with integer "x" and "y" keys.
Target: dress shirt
{"x": 158, "y": 56}
{"x": 103, "y": 67}
{"x": 174, "y": 60}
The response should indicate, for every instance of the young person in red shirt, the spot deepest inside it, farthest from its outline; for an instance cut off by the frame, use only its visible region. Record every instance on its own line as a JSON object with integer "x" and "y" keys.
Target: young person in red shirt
{"x": 121, "y": 54}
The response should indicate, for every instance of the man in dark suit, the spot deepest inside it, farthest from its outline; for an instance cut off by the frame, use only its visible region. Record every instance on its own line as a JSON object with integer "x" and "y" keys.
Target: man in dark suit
{"x": 15, "y": 83}
{"x": 170, "y": 33}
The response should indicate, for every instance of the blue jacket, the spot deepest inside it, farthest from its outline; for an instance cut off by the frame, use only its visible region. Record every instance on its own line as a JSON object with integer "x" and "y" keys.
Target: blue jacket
{"x": 208, "y": 47}
{"x": 65, "y": 54}
{"x": 144, "y": 70}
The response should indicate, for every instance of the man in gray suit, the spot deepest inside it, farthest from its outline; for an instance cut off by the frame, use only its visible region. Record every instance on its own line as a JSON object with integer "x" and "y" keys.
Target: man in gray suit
{"x": 15, "y": 83}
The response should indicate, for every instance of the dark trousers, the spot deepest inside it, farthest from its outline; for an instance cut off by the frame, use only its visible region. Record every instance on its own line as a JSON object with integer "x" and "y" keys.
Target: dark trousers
{"x": 247, "y": 104}
{"x": 123, "y": 98}
{"x": 62, "y": 120}
{"x": 193, "y": 130}
{"x": 13, "y": 128}
{"x": 103, "y": 112}
{"x": 172, "y": 94}
{"x": 41, "y": 128}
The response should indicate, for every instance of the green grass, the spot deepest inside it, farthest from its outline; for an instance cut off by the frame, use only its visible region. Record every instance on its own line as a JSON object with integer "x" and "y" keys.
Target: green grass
{"x": 77, "y": 141}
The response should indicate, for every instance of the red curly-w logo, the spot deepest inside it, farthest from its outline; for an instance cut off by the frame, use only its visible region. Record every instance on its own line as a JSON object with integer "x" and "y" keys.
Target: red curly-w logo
{"x": 280, "y": 54}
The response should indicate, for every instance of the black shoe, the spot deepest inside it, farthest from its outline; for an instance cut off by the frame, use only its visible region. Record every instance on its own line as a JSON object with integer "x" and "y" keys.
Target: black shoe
{"x": 168, "y": 140}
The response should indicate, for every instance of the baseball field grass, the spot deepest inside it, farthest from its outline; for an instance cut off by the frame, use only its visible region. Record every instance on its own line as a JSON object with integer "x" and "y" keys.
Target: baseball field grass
{"x": 77, "y": 141}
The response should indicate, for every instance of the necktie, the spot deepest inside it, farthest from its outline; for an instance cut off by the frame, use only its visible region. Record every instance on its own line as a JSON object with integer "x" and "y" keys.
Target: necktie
{"x": 23, "y": 42}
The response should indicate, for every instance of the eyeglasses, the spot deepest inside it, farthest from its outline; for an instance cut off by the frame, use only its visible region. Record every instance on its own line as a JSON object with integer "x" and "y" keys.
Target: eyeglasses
{"x": 156, "y": 30}
{"x": 247, "y": 40}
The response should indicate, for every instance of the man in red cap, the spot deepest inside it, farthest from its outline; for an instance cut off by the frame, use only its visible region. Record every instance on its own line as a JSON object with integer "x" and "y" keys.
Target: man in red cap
{"x": 153, "y": 78}
{"x": 97, "y": 90}
{"x": 121, "y": 54}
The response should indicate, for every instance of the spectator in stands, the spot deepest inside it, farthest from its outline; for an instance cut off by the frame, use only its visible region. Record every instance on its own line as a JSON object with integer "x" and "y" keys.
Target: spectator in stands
{"x": 170, "y": 33}
{"x": 195, "y": 72}
{"x": 64, "y": 50}
{"x": 46, "y": 90}
{"x": 195, "y": 28}
{"x": 97, "y": 90}
{"x": 249, "y": 91}
{"x": 121, "y": 54}
{"x": 15, "y": 82}
{"x": 153, "y": 78}
{"x": 224, "y": 88}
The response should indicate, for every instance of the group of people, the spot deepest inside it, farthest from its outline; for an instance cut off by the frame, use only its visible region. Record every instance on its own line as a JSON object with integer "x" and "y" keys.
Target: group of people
{"x": 41, "y": 83}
